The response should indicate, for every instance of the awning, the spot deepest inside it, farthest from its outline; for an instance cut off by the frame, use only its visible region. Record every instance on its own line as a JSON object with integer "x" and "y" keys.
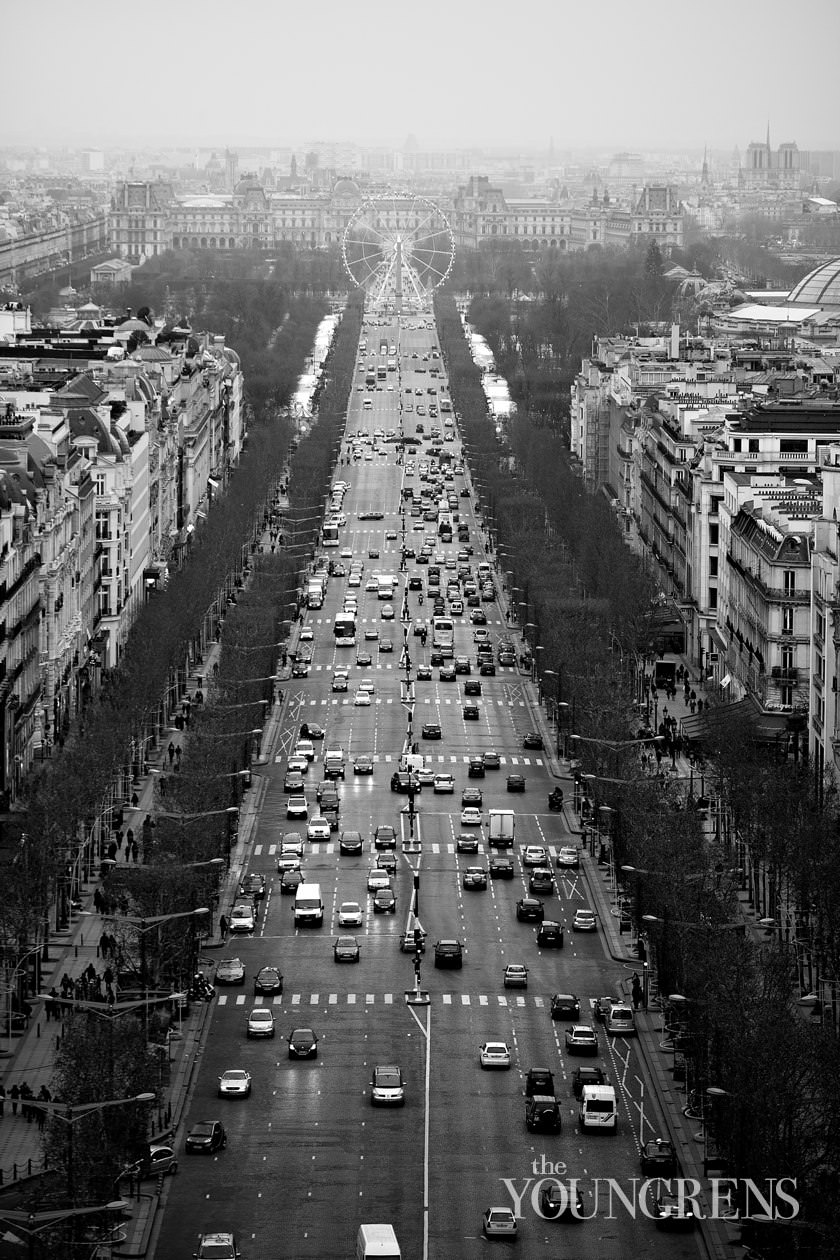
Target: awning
{"x": 716, "y": 637}
{"x": 765, "y": 727}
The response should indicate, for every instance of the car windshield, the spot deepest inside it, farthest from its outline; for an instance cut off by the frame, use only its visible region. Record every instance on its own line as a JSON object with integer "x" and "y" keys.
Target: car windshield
{"x": 388, "y": 1079}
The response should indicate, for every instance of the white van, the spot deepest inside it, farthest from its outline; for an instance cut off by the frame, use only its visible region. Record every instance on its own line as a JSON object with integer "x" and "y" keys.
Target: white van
{"x": 598, "y": 1111}
{"x": 621, "y": 1021}
{"x": 309, "y": 908}
{"x": 377, "y": 1242}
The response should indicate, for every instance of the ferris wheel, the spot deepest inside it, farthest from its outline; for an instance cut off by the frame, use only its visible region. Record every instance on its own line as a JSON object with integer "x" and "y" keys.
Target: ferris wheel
{"x": 398, "y": 246}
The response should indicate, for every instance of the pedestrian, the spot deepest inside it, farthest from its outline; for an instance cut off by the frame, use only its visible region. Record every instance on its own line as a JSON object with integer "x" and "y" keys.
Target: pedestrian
{"x": 692, "y": 704}
{"x": 693, "y": 696}
{"x": 699, "y": 706}
{"x": 636, "y": 990}
{"x": 223, "y": 926}
{"x": 112, "y": 851}
{"x": 135, "y": 850}
{"x": 102, "y": 947}
{"x": 118, "y": 837}
{"x": 14, "y": 1095}
{"x": 129, "y": 836}
{"x": 26, "y": 1097}
{"x": 135, "y": 800}
{"x": 215, "y": 669}
{"x": 108, "y": 975}
{"x": 162, "y": 784}
{"x": 2, "y": 1100}
{"x": 97, "y": 900}
{"x": 171, "y": 751}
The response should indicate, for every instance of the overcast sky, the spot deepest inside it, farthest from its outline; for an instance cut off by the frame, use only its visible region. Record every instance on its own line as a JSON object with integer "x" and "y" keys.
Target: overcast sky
{"x": 638, "y": 74}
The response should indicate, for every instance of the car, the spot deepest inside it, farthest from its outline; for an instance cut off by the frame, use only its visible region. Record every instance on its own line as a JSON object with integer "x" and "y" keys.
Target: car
{"x": 675, "y": 1211}
{"x": 559, "y": 1200}
{"x": 470, "y": 816}
{"x": 539, "y": 1080}
{"x": 568, "y": 857}
{"x": 235, "y": 1083}
{"x": 565, "y": 1006}
{"x": 303, "y": 1044}
{"x": 541, "y": 880}
{"x": 297, "y": 764}
{"x": 242, "y": 918}
{"x": 253, "y": 885}
{"x": 311, "y": 730}
{"x": 364, "y": 659}
{"x": 288, "y": 860}
{"x": 371, "y": 633}
{"x": 373, "y": 553}
{"x": 501, "y": 867}
{"x": 461, "y": 664}
{"x": 515, "y": 976}
{"x": 296, "y": 807}
{"x": 339, "y": 682}
{"x": 300, "y": 669}
{"x": 268, "y": 980}
{"x": 499, "y": 1222}
{"x": 476, "y": 768}
{"x": 516, "y": 783}
{"x": 534, "y": 855}
{"x": 424, "y": 673}
{"x": 305, "y": 748}
{"x": 658, "y": 1158}
{"x": 446, "y": 673}
{"x": 387, "y": 862}
{"x": 581, "y": 1039}
{"x": 472, "y": 687}
{"x": 507, "y": 657}
{"x": 217, "y": 1246}
{"x": 385, "y": 837}
{"x": 602, "y": 1007}
{"x": 471, "y": 713}
{"x": 378, "y": 878}
{"x": 346, "y": 949}
{"x": 230, "y": 971}
{"x": 362, "y": 699}
{"x": 350, "y": 914}
{"x": 293, "y": 782}
{"x": 372, "y": 584}
{"x": 486, "y": 668}
{"x": 387, "y": 1088}
{"x": 363, "y": 764}
{"x": 449, "y": 953}
{"x": 431, "y": 730}
{"x": 584, "y": 1076}
{"x": 494, "y": 1054}
{"x": 530, "y": 910}
{"x": 532, "y": 739}
{"x": 317, "y": 829}
{"x": 620, "y": 1020}
{"x": 205, "y": 1138}
{"x": 481, "y": 635}
{"x": 261, "y": 1022}
{"x": 443, "y": 783}
{"x": 386, "y": 612}
{"x": 472, "y": 796}
{"x": 467, "y": 842}
{"x": 475, "y": 877}
{"x": 585, "y": 921}
{"x": 550, "y": 935}
{"x": 384, "y": 901}
{"x": 542, "y": 1113}
{"x": 405, "y": 782}
{"x": 492, "y": 760}
{"x": 160, "y": 1160}
{"x": 290, "y": 881}
{"x": 425, "y": 776}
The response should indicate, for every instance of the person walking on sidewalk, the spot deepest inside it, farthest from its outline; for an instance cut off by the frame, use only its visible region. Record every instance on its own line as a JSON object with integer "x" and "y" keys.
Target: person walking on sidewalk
{"x": 223, "y": 927}
{"x": 171, "y": 751}
{"x": 14, "y": 1095}
{"x": 637, "y": 991}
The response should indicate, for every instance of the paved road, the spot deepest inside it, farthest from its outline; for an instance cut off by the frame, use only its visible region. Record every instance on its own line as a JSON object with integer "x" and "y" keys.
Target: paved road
{"x": 308, "y": 1157}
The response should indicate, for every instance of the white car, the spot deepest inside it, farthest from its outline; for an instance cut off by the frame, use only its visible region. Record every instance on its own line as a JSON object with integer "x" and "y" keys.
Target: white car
{"x": 585, "y": 921}
{"x": 371, "y": 584}
{"x": 426, "y": 776}
{"x": 568, "y": 857}
{"x": 306, "y": 635}
{"x": 470, "y": 817}
{"x": 235, "y": 1083}
{"x": 305, "y": 748}
{"x": 368, "y": 685}
{"x": 499, "y": 1222}
{"x": 354, "y": 579}
{"x": 298, "y": 763}
{"x": 241, "y": 918}
{"x": 261, "y": 1022}
{"x": 444, "y": 783}
{"x": 378, "y": 878}
{"x": 481, "y": 635}
{"x": 361, "y": 698}
{"x": 387, "y": 612}
{"x": 350, "y": 914}
{"x": 494, "y": 1054}
{"x": 318, "y": 829}
{"x": 534, "y": 855}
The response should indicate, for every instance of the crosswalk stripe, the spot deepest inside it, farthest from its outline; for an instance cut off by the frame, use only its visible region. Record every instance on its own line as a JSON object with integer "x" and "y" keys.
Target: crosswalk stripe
{"x": 389, "y": 999}
{"x": 240, "y": 999}
{"x": 465, "y": 999}
{"x": 313, "y": 999}
{"x": 447, "y": 999}
{"x": 482, "y": 1001}
{"x": 295, "y": 999}
{"x": 333, "y": 999}
{"x": 502, "y": 1000}
{"x": 351, "y": 999}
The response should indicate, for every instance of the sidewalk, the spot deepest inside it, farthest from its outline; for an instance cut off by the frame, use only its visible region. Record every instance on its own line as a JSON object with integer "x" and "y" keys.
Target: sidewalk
{"x": 30, "y": 1058}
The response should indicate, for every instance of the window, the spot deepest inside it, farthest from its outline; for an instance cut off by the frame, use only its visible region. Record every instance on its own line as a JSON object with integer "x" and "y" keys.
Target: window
{"x": 754, "y": 446}
{"x": 713, "y": 597}
{"x": 713, "y": 566}
{"x": 713, "y": 535}
{"x": 787, "y": 619}
{"x": 789, "y": 581}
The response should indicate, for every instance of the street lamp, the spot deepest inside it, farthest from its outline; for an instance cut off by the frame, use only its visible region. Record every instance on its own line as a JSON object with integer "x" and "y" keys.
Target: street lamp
{"x": 71, "y": 1114}
{"x": 151, "y": 923}
{"x": 34, "y": 1223}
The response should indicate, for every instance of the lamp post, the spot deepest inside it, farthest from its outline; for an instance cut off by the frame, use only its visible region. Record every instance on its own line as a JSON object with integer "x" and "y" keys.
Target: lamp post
{"x": 34, "y": 1223}
{"x": 151, "y": 923}
{"x": 70, "y": 1115}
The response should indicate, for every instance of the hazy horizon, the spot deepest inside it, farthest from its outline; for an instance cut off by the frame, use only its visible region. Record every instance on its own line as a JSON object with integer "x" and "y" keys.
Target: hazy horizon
{"x": 453, "y": 74}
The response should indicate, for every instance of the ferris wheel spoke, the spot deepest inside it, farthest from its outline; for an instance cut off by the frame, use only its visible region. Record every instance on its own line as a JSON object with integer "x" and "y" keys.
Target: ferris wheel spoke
{"x": 420, "y": 226}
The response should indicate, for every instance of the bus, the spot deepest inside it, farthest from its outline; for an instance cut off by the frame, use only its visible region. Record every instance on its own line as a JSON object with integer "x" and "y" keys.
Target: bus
{"x": 443, "y": 635}
{"x": 329, "y": 534}
{"x": 344, "y": 629}
{"x": 381, "y": 373}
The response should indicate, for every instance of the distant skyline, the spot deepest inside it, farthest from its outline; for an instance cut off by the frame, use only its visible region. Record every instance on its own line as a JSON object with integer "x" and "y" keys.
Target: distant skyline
{"x": 452, "y": 73}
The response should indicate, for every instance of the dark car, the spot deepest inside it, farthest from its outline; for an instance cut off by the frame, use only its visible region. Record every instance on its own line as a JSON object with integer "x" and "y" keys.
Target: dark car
{"x": 658, "y": 1158}
{"x": 461, "y": 665}
{"x": 471, "y": 713}
{"x": 542, "y": 1114}
{"x": 530, "y": 910}
{"x": 446, "y": 673}
{"x": 492, "y": 761}
{"x": 565, "y": 1006}
{"x": 413, "y": 942}
{"x": 293, "y": 782}
{"x": 559, "y": 1201}
{"x": 501, "y": 868}
{"x": 487, "y": 669}
{"x": 674, "y": 1211}
{"x": 532, "y": 739}
{"x": 476, "y": 768}
{"x": 351, "y": 843}
{"x": 268, "y": 980}
{"x": 586, "y": 1076}
{"x": 206, "y": 1137}
{"x": 478, "y": 616}
{"x": 290, "y": 881}
{"x": 516, "y": 783}
{"x": 540, "y": 1080}
{"x": 384, "y": 901}
{"x": 550, "y": 935}
{"x": 431, "y": 730}
{"x": 472, "y": 796}
{"x": 541, "y": 881}
{"x": 402, "y": 781}
{"x": 253, "y": 886}
{"x": 472, "y": 687}
{"x": 346, "y": 949}
{"x": 449, "y": 954}
{"x": 387, "y": 862}
{"x": 385, "y": 837}
{"x": 303, "y": 1044}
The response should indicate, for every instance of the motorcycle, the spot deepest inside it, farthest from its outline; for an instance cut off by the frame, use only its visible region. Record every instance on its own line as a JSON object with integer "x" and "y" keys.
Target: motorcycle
{"x": 201, "y": 989}
{"x": 555, "y": 800}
